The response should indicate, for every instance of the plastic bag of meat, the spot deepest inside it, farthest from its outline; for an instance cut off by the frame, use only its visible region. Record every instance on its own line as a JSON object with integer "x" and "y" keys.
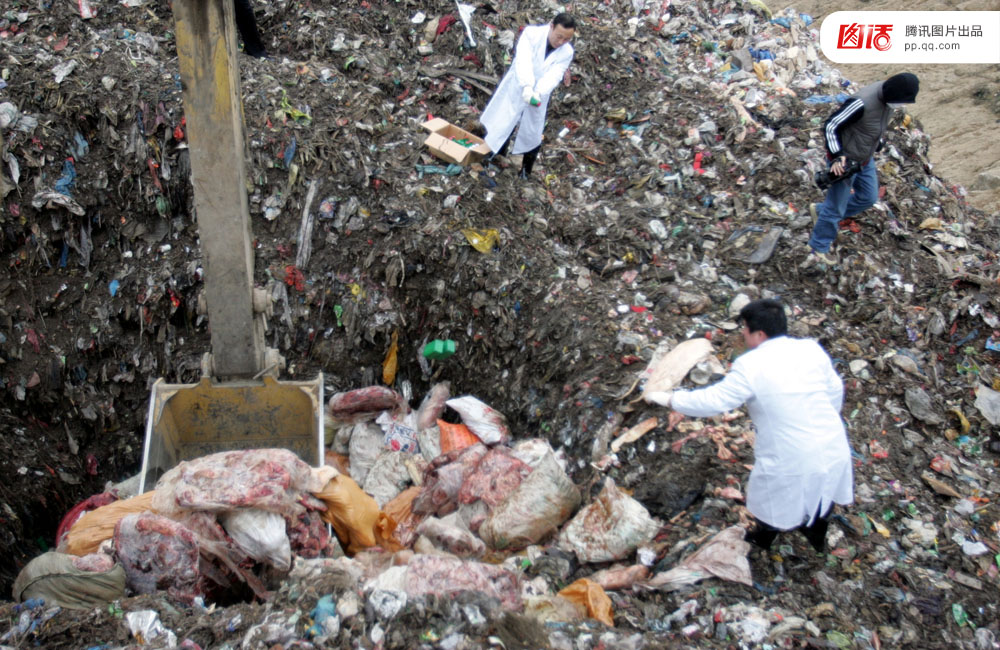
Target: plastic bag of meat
{"x": 79, "y": 510}
{"x": 450, "y": 538}
{"x": 609, "y": 528}
{"x": 432, "y": 407}
{"x": 364, "y": 404}
{"x": 444, "y": 478}
{"x": 260, "y": 534}
{"x": 495, "y": 477}
{"x": 96, "y": 526}
{"x": 534, "y": 510}
{"x": 444, "y": 576}
{"x": 488, "y": 424}
{"x": 309, "y": 537}
{"x": 275, "y": 480}
{"x": 158, "y": 554}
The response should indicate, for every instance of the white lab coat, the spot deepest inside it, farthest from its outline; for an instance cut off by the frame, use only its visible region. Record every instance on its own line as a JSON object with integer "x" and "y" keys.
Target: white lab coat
{"x": 533, "y": 69}
{"x": 802, "y": 460}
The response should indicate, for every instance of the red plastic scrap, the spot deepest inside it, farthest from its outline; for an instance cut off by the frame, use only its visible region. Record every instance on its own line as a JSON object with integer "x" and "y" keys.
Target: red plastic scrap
{"x": 153, "y": 166}
{"x": 294, "y": 278}
{"x": 33, "y": 340}
{"x": 697, "y": 163}
{"x": 475, "y": 59}
{"x": 446, "y": 21}
{"x": 941, "y": 465}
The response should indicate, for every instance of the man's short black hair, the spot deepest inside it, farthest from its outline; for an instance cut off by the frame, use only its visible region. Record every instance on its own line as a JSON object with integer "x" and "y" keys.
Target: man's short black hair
{"x": 564, "y": 20}
{"x": 766, "y": 316}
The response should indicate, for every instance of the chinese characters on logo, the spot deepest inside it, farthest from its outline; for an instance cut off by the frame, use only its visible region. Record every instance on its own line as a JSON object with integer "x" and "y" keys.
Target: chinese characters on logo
{"x": 855, "y": 36}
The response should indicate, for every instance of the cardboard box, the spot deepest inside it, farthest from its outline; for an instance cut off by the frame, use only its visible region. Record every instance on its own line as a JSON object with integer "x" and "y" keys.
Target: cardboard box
{"x": 441, "y": 142}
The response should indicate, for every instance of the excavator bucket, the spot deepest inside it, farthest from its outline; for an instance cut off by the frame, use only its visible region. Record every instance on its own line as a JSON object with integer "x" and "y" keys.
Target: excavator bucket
{"x": 186, "y": 421}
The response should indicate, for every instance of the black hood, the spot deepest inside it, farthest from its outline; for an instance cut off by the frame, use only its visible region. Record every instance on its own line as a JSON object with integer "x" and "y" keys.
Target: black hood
{"x": 901, "y": 88}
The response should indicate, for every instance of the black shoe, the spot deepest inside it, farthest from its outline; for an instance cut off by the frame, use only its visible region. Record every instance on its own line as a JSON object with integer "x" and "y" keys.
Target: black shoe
{"x": 523, "y": 173}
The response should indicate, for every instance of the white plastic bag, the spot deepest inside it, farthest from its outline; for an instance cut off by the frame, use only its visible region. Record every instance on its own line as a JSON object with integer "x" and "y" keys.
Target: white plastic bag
{"x": 365, "y": 447}
{"x": 534, "y": 510}
{"x": 608, "y": 529}
{"x": 449, "y": 538}
{"x": 489, "y": 425}
{"x": 666, "y": 369}
{"x": 387, "y": 477}
{"x": 260, "y": 534}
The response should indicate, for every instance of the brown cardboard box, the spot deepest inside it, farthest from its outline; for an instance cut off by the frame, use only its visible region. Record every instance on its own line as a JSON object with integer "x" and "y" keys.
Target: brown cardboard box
{"x": 441, "y": 142}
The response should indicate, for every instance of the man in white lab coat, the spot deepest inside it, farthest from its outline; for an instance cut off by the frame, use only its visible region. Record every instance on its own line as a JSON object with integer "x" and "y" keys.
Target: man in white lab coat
{"x": 541, "y": 57}
{"x": 802, "y": 459}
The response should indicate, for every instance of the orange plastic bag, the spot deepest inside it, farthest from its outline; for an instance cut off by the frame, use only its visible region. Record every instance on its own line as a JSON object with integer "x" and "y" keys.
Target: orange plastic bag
{"x": 339, "y": 462}
{"x": 455, "y": 436}
{"x": 352, "y": 512}
{"x": 591, "y": 595}
{"x": 396, "y": 528}
{"x": 91, "y": 529}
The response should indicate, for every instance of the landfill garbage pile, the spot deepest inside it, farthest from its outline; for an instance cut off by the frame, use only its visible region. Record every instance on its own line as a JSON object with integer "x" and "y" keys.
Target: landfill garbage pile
{"x": 674, "y": 186}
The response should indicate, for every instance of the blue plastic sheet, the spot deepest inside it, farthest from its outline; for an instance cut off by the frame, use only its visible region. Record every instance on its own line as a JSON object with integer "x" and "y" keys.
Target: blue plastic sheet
{"x": 290, "y": 153}
{"x": 839, "y": 98}
{"x": 67, "y": 181}
{"x": 80, "y": 146}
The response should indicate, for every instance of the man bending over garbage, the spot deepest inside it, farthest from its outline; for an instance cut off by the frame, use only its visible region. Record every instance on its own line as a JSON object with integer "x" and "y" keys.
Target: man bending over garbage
{"x": 802, "y": 460}
{"x": 852, "y": 134}
{"x": 541, "y": 57}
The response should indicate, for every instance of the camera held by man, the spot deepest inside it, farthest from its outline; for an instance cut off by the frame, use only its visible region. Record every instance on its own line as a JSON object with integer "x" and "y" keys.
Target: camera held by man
{"x": 828, "y": 177}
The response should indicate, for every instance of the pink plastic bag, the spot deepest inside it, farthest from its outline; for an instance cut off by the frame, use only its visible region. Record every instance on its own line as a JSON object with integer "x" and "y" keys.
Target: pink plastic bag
{"x": 158, "y": 554}
{"x": 495, "y": 477}
{"x": 443, "y": 576}
{"x": 270, "y": 479}
{"x": 444, "y": 478}
{"x": 364, "y": 404}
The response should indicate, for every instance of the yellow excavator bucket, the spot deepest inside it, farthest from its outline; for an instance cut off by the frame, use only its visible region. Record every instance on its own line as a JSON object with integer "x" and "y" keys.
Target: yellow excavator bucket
{"x": 186, "y": 421}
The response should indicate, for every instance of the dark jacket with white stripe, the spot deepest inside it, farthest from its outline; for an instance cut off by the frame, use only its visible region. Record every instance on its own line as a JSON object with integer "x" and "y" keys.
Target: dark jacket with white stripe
{"x": 856, "y": 128}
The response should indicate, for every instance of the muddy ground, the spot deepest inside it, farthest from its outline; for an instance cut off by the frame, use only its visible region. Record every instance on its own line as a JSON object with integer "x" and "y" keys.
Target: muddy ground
{"x": 553, "y": 325}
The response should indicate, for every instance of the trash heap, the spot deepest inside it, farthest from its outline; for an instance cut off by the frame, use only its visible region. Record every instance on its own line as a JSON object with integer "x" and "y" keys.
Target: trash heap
{"x": 674, "y": 186}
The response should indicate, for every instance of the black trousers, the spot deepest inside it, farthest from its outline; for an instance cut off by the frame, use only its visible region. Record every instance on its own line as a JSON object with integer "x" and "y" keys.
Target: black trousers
{"x": 763, "y": 535}
{"x": 247, "y": 25}
{"x": 527, "y": 161}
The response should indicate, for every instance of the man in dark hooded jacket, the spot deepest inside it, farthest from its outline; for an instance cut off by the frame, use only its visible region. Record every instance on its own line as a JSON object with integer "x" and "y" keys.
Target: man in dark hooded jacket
{"x": 852, "y": 134}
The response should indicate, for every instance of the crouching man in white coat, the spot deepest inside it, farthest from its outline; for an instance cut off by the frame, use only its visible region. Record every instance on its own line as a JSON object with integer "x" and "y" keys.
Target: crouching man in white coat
{"x": 541, "y": 57}
{"x": 802, "y": 460}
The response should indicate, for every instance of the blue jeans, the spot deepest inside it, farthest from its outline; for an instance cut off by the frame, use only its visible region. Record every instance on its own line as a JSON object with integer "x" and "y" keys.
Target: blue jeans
{"x": 841, "y": 203}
